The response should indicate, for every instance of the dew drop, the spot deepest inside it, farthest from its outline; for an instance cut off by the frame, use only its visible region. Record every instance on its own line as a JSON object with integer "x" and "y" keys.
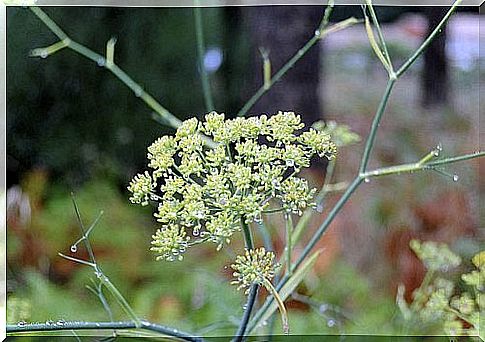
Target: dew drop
{"x": 290, "y": 162}
{"x": 331, "y": 323}
{"x": 21, "y": 323}
{"x": 49, "y": 322}
{"x": 44, "y": 54}
{"x": 456, "y": 178}
{"x": 323, "y": 308}
{"x": 73, "y": 248}
{"x": 101, "y": 62}
{"x": 264, "y": 323}
{"x": 317, "y": 33}
{"x": 60, "y": 322}
{"x": 138, "y": 93}
{"x": 439, "y": 147}
{"x": 244, "y": 307}
{"x": 366, "y": 180}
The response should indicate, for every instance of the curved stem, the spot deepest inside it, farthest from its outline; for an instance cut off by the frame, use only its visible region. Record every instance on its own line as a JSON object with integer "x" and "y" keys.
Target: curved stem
{"x": 60, "y": 326}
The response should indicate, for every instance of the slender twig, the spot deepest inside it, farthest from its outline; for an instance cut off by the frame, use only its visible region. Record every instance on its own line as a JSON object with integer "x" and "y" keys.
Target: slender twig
{"x": 375, "y": 125}
{"x": 289, "y": 245}
{"x": 199, "y": 32}
{"x": 122, "y": 325}
{"x": 164, "y": 114}
{"x": 385, "y": 51}
{"x": 419, "y": 166}
{"x": 322, "y": 31}
{"x": 428, "y": 40}
{"x": 307, "y": 214}
{"x": 241, "y": 331}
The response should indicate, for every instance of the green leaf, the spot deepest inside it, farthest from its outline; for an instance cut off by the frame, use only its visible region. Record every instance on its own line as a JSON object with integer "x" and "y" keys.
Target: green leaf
{"x": 290, "y": 286}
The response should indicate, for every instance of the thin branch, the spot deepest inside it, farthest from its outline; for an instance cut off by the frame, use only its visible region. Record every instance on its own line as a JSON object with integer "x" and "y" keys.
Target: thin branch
{"x": 122, "y": 325}
{"x": 375, "y": 125}
{"x": 241, "y": 331}
{"x": 322, "y": 31}
{"x": 385, "y": 51}
{"x": 428, "y": 40}
{"x": 289, "y": 245}
{"x": 163, "y": 115}
{"x": 419, "y": 166}
{"x": 199, "y": 32}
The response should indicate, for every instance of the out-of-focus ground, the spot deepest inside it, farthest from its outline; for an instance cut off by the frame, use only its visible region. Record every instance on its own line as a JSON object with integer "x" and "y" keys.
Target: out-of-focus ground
{"x": 366, "y": 253}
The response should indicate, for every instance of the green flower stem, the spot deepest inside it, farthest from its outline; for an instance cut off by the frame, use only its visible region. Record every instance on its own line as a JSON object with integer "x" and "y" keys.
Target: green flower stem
{"x": 428, "y": 40}
{"x": 289, "y": 246}
{"x": 375, "y": 125}
{"x": 322, "y": 32}
{"x": 253, "y": 291}
{"x": 419, "y": 166}
{"x": 305, "y": 218}
{"x": 199, "y": 31}
{"x": 248, "y": 238}
{"x": 122, "y": 325}
{"x": 241, "y": 331}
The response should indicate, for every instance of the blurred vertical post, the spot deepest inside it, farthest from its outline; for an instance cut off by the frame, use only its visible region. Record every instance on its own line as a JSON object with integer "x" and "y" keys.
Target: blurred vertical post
{"x": 434, "y": 77}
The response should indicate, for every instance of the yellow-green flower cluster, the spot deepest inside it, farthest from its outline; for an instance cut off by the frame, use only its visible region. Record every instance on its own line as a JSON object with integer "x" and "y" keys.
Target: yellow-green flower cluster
{"x": 435, "y": 256}
{"x": 253, "y": 267}
{"x": 439, "y": 302}
{"x": 207, "y": 193}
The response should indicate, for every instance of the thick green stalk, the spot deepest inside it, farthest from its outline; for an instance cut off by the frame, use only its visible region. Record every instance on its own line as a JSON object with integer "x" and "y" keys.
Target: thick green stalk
{"x": 199, "y": 32}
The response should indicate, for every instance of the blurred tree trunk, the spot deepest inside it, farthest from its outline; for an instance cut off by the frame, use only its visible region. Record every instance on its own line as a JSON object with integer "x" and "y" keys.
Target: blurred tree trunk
{"x": 434, "y": 78}
{"x": 282, "y": 31}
